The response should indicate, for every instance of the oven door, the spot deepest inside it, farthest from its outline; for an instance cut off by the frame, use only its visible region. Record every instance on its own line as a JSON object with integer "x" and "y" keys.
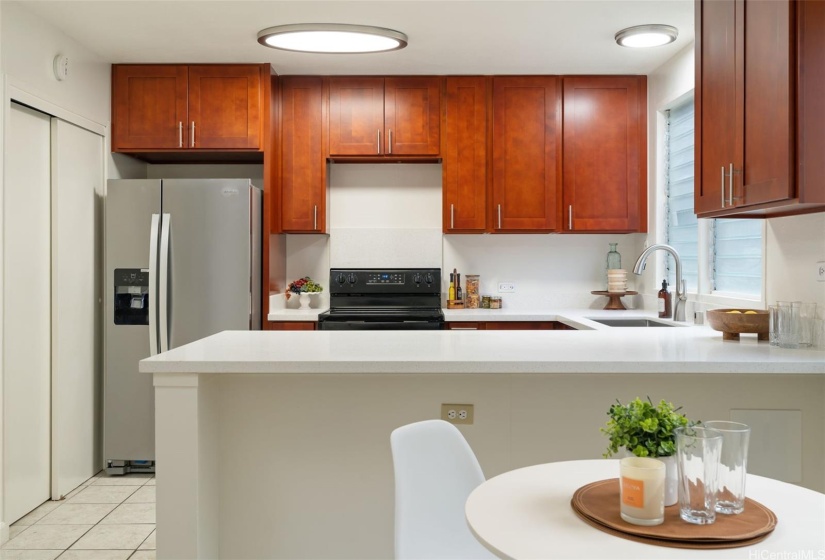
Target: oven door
{"x": 380, "y": 325}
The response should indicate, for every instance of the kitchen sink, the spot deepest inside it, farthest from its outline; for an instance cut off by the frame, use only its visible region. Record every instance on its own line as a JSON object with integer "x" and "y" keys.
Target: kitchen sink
{"x": 630, "y": 322}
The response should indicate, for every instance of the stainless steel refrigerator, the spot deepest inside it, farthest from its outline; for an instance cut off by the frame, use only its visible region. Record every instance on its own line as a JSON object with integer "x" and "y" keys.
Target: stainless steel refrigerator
{"x": 182, "y": 262}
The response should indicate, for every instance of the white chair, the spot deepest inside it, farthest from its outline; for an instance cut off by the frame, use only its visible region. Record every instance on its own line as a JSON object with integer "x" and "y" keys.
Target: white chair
{"x": 435, "y": 471}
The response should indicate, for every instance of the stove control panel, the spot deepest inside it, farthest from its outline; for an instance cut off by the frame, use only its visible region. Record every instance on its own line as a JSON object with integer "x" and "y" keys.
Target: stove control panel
{"x": 396, "y": 278}
{"x": 385, "y": 281}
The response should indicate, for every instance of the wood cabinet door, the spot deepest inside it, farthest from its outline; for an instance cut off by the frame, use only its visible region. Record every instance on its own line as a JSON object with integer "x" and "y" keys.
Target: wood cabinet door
{"x": 605, "y": 161}
{"x": 766, "y": 151}
{"x": 302, "y": 165}
{"x": 356, "y": 116}
{"x": 412, "y": 116}
{"x": 811, "y": 105}
{"x": 526, "y": 153}
{"x": 225, "y": 106}
{"x": 149, "y": 107}
{"x": 290, "y": 326}
{"x": 716, "y": 103}
{"x": 464, "y": 166}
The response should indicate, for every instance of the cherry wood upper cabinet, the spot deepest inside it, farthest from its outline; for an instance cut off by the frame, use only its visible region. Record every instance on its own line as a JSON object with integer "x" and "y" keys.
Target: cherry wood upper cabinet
{"x": 178, "y": 108}
{"x": 412, "y": 116}
{"x": 356, "y": 116}
{"x": 149, "y": 109}
{"x": 303, "y": 169}
{"x": 605, "y": 162}
{"x": 225, "y": 106}
{"x": 757, "y": 81}
{"x": 464, "y": 167}
{"x": 527, "y": 155}
{"x": 378, "y": 117}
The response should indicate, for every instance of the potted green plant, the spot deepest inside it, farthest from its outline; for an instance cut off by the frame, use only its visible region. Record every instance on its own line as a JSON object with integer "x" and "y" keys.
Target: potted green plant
{"x": 646, "y": 430}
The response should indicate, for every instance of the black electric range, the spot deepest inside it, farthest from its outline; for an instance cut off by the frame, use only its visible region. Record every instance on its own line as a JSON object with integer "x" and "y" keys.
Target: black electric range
{"x": 383, "y": 299}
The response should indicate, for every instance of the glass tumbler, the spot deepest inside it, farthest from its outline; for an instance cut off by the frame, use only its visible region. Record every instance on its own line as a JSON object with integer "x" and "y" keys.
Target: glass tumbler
{"x": 733, "y": 465}
{"x": 773, "y": 314}
{"x": 698, "y": 451}
{"x": 803, "y": 316}
{"x": 785, "y": 336}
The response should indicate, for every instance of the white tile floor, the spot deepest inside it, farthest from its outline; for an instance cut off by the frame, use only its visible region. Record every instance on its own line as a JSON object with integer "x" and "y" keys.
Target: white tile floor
{"x": 105, "y": 518}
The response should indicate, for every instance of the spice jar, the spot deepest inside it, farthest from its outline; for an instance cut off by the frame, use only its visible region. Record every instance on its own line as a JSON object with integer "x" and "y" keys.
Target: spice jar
{"x": 495, "y": 302}
{"x": 472, "y": 301}
{"x": 485, "y": 302}
{"x": 472, "y": 284}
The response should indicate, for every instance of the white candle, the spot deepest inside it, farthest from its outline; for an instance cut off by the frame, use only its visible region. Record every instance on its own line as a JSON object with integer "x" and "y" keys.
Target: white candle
{"x": 642, "y": 490}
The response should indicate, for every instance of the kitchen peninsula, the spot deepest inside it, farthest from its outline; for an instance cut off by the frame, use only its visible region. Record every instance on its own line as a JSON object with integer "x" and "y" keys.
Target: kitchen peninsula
{"x": 276, "y": 444}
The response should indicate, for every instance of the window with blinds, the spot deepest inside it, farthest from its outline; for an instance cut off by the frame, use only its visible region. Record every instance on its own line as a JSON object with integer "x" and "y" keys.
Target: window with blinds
{"x": 737, "y": 256}
{"x": 682, "y": 227}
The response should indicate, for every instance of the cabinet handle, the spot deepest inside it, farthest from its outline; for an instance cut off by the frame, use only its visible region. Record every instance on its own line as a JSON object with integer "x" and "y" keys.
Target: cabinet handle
{"x": 315, "y": 217}
{"x": 180, "y": 134}
{"x": 452, "y": 216}
{"x": 389, "y": 144}
{"x": 570, "y": 217}
{"x": 379, "y": 142}
{"x": 722, "y": 189}
{"x": 730, "y": 186}
{"x": 193, "y": 134}
{"x": 499, "y": 216}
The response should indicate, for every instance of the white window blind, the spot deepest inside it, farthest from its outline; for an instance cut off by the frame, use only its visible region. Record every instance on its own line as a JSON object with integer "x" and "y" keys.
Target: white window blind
{"x": 737, "y": 256}
{"x": 682, "y": 226}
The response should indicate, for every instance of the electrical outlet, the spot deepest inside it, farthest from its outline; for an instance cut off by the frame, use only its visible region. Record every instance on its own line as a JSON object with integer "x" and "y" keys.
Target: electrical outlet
{"x": 457, "y": 413}
{"x": 506, "y": 287}
{"x": 820, "y": 271}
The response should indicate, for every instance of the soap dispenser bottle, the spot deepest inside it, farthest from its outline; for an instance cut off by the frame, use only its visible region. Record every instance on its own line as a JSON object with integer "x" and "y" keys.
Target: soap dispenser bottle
{"x": 664, "y": 302}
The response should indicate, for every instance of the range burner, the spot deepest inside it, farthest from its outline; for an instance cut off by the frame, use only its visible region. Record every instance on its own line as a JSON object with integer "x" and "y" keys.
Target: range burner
{"x": 384, "y": 299}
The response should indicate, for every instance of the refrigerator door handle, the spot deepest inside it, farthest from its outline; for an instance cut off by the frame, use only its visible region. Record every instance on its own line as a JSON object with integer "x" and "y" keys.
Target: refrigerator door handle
{"x": 153, "y": 285}
{"x": 163, "y": 283}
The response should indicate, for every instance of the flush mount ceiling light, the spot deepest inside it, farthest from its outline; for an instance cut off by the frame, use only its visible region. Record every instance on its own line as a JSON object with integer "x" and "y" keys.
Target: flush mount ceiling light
{"x": 337, "y": 38}
{"x": 642, "y": 36}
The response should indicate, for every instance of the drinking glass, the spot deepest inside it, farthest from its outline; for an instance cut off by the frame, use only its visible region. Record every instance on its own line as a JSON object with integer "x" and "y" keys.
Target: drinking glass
{"x": 773, "y": 313}
{"x": 698, "y": 450}
{"x": 784, "y": 325}
{"x": 733, "y": 465}
{"x": 642, "y": 490}
{"x": 803, "y": 316}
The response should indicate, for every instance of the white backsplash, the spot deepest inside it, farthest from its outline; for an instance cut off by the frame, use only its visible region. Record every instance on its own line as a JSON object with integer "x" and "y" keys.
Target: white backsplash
{"x": 549, "y": 271}
{"x": 385, "y": 248}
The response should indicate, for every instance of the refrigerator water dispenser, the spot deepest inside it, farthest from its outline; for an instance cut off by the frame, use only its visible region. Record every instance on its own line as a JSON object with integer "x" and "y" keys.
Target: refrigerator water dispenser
{"x": 131, "y": 296}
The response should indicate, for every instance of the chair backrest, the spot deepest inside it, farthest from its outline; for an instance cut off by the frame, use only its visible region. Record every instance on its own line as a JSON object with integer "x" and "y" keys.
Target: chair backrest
{"x": 435, "y": 471}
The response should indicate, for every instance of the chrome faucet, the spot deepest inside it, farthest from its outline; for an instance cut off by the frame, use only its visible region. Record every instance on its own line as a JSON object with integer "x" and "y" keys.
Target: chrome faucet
{"x": 681, "y": 298}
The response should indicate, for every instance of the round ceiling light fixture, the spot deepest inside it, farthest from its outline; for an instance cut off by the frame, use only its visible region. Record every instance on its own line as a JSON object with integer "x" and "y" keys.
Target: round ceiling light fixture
{"x": 336, "y": 38}
{"x": 641, "y": 36}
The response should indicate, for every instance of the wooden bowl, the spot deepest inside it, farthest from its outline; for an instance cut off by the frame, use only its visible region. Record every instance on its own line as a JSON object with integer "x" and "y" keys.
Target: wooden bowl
{"x": 733, "y": 324}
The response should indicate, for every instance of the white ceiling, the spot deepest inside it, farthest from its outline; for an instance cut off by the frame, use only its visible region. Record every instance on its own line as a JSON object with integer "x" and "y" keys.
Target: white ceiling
{"x": 454, "y": 37}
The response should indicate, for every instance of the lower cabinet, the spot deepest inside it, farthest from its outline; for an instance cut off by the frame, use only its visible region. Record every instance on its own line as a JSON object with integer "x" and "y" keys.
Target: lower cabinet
{"x": 507, "y": 326}
{"x": 290, "y": 325}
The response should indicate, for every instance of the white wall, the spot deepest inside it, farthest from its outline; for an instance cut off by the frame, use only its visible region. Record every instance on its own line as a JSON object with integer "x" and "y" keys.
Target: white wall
{"x": 549, "y": 271}
{"x": 794, "y": 245}
{"x": 29, "y": 47}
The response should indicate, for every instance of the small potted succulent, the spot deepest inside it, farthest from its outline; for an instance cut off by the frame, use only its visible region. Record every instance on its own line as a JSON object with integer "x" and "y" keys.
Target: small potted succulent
{"x": 304, "y": 287}
{"x": 646, "y": 430}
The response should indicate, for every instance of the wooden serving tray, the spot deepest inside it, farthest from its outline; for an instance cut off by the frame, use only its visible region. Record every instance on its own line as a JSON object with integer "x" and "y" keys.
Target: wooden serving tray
{"x": 597, "y": 504}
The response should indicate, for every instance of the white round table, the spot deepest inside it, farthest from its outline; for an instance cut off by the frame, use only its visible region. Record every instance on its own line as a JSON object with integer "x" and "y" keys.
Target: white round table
{"x": 526, "y": 513}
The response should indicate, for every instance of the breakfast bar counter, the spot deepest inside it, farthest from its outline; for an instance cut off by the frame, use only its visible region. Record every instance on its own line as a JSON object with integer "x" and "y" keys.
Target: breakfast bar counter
{"x": 276, "y": 444}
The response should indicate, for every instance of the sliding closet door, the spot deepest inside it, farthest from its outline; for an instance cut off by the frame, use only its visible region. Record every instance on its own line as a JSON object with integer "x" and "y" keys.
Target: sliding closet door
{"x": 77, "y": 202}
{"x": 26, "y": 312}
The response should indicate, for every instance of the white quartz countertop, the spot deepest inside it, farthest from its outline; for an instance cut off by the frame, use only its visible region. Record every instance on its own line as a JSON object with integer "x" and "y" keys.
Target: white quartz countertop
{"x": 594, "y": 349}
{"x": 294, "y": 314}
